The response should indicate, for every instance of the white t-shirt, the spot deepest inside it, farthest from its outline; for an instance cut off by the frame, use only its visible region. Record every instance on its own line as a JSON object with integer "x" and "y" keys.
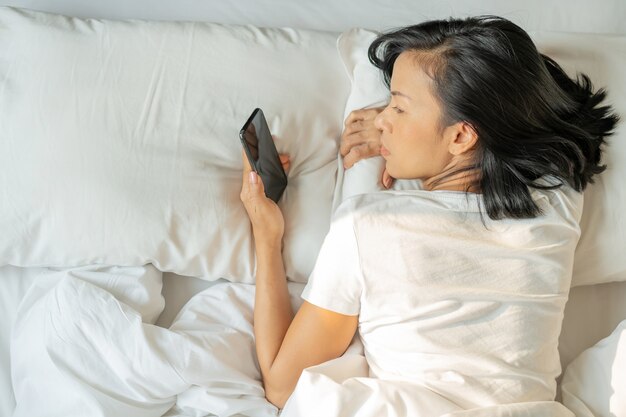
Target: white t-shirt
{"x": 466, "y": 306}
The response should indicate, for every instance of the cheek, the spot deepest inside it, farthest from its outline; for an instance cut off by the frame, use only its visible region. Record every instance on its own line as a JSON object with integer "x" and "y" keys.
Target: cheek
{"x": 421, "y": 151}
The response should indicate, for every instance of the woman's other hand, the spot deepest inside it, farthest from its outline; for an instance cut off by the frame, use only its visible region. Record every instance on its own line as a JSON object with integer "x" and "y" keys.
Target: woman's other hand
{"x": 268, "y": 224}
{"x": 361, "y": 139}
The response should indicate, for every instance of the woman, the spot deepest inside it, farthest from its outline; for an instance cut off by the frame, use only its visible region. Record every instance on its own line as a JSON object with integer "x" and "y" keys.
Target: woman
{"x": 491, "y": 127}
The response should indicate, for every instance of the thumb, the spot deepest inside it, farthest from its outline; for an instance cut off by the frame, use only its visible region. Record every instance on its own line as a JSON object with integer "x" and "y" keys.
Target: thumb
{"x": 255, "y": 182}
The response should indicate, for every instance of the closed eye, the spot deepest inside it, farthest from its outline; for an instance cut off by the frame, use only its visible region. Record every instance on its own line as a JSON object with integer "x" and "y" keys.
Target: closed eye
{"x": 397, "y": 109}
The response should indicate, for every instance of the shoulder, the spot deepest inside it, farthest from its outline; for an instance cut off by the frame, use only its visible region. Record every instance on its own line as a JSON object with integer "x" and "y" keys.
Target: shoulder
{"x": 561, "y": 206}
{"x": 563, "y": 202}
{"x": 417, "y": 201}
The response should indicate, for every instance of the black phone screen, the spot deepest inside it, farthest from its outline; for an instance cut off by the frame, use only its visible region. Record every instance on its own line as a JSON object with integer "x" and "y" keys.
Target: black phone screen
{"x": 258, "y": 144}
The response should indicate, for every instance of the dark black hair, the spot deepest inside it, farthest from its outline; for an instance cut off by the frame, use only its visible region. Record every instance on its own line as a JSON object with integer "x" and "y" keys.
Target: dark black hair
{"x": 532, "y": 120}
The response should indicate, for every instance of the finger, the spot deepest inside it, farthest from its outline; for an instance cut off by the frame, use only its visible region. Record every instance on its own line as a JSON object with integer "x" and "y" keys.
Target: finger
{"x": 360, "y": 126}
{"x": 355, "y": 126}
{"x": 350, "y": 141}
{"x": 370, "y": 136}
{"x": 246, "y": 169}
{"x": 246, "y": 163}
{"x": 359, "y": 152}
{"x": 387, "y": 179}
{"x": 362, "y": 114}
{"x": 284, "y": 161}
{"x": 253, "y": 187}
{"x": 358, "y": 133}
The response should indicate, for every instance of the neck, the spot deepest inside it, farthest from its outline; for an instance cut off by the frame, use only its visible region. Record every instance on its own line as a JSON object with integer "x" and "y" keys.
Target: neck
{"x": 455, "y": 177}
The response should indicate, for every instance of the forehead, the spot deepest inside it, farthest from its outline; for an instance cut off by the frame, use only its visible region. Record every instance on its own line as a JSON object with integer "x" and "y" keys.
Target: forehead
{"x": 409, "y": 78}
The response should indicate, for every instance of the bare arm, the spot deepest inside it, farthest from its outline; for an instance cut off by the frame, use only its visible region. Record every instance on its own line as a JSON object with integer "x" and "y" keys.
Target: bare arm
{"x": 315, "y": 336}
{"x": 285, "y": 345}
{"x": 272, "y": 307}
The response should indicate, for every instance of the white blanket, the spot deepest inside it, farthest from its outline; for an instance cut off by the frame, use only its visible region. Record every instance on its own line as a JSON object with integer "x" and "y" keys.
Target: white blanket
{"x": 53, "y": 340}
{"x": 342, "y": 388}
{"x": 78, "y": 350}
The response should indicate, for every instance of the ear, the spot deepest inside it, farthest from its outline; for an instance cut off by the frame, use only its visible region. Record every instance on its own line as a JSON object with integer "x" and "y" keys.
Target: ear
{"x": 461, "y": 138}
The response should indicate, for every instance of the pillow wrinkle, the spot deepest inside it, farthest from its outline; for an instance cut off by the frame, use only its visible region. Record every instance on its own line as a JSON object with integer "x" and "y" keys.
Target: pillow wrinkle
{"x": 133, "y": 155}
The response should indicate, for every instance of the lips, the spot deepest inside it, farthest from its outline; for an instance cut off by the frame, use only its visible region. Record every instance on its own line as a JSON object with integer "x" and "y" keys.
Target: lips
{"x": 384, "y": 151}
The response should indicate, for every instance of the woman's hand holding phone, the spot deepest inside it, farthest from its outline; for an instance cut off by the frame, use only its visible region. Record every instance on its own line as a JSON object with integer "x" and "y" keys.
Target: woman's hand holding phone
{"x": 268, "y": 224}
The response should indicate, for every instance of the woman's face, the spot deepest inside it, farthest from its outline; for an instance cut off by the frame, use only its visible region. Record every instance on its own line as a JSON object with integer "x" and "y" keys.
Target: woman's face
{"x": 413, "y": 143}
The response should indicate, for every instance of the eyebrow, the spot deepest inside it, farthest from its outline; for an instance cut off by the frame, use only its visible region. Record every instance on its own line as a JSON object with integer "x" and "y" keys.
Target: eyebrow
{"x": 397, "y": 93}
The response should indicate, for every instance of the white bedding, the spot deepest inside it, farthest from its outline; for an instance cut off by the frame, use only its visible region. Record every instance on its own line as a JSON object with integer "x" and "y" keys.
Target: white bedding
{"x": 22, "y": 288}
{"x": 591, "y": 313}
{"x": 129, "y": 150}
{"x": 88, "y": 353}
{"x": 342, "y": 388}
{"x": 14, "y": 282}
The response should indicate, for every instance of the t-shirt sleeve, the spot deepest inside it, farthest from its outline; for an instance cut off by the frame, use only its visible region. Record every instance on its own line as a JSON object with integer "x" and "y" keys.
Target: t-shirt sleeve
{"x": 336, "y": 281}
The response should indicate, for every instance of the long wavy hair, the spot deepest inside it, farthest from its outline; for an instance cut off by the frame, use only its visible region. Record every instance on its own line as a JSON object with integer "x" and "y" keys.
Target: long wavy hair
{"x": 532, "y": 120}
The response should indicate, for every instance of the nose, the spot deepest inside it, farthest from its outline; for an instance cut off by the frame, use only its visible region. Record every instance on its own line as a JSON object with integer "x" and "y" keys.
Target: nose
{"x": 381, "y": 122}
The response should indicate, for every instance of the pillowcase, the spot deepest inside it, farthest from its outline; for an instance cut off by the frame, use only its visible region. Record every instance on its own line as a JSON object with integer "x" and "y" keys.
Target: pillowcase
{"x": 368, "y": 90}
{"x": 594, "y": 383}
{"x": 120, "y": 141}
{"x": 599, "y": 254}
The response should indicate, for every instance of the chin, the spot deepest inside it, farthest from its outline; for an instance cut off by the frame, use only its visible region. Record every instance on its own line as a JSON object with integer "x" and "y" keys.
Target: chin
{"x": 393, "y": 172}
{"x": 389, "y": 169}
{"x": 399, "y": 175}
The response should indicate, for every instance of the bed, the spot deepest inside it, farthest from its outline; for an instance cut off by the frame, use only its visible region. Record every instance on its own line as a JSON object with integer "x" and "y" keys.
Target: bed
{"x": 123, "y": 244}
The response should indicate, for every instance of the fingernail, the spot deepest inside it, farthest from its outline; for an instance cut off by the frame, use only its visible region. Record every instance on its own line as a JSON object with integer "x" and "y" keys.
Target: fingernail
{"x": 387, "y": 182}
{"x": 252, "y": 178}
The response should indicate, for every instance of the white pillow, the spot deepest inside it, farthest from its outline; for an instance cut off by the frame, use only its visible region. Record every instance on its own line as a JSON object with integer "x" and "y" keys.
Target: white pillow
{"x": 120, "y": 141}
{"x": 368, "y": 90}
{"x": 594, "y": 384}
{"x": 600, "y": 252}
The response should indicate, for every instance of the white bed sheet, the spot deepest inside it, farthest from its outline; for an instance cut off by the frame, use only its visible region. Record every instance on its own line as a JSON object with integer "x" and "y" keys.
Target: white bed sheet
{"x": 590, "y": 315}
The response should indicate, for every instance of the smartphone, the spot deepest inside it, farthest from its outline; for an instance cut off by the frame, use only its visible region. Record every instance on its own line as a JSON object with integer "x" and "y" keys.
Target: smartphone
{"x": 258, "y": 144}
